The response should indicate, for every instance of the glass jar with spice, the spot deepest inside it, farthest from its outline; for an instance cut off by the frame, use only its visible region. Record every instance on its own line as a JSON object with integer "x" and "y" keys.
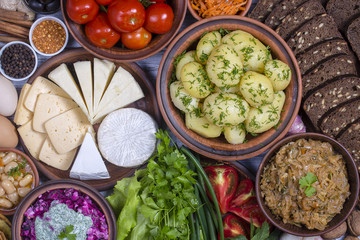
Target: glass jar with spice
{"x": 48, "y": 36}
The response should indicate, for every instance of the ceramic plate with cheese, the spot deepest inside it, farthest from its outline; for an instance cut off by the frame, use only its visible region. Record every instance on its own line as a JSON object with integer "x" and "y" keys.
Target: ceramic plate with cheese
{"x": 64, "y": 103}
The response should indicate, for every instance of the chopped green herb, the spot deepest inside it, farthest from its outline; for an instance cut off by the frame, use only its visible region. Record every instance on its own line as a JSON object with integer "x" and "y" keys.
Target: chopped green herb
{"x": 16, "y": 171}
{"x": 67, "y": 233}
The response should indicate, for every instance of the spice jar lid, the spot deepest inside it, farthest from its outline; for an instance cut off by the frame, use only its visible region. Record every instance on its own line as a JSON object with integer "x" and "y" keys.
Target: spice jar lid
{"x": 19, "y": 67}
{"x": 48, "y": 36}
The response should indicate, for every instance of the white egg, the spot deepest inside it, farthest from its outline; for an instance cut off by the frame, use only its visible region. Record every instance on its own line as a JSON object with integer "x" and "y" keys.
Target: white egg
{"x": 8, "y": 97}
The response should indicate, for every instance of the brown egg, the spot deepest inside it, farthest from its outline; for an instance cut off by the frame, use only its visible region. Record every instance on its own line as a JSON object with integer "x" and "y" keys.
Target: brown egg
{"x": 8, "y": 134}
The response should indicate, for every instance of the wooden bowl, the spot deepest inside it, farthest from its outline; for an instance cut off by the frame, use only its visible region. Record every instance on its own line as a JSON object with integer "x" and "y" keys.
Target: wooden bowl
{"x": 196, "y": 15}
{"x": 147, "y": 104}
{"x": 348, "y": 205}
{"x": 33, "y": 168}
{"x": 219, "y": 148}
{"x": 64, "y": 184}
{"x": 118, "y": 53}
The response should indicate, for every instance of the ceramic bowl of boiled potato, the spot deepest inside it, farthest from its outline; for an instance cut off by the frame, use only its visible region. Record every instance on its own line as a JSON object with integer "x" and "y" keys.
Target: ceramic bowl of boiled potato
{"x": 18, "y": 177}
{"x": 229, "y": 87}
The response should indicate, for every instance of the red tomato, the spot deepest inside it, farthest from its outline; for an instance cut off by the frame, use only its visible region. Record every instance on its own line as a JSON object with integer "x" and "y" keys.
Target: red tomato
{"x": 103, "y": 2}
{"x": 126, "y": 15}
{"x": 137, "y": 39}
{"x": 82, "y": 11}
{"x": 159, "y": 18}
{"x": 100, "y": 32}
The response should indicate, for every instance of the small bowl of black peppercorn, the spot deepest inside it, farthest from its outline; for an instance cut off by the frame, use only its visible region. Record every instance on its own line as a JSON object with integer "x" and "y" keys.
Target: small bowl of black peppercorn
{"x": 18, "y": 61}
{"x": 43, "y": 6}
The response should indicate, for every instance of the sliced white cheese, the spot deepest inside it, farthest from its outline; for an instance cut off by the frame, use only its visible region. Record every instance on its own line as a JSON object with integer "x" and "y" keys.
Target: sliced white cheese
{"x": 119, "y": 82}
{"x": 126, "y": 137}
{"x": 49, "y": 156}
{"x": 84, "y": 75}
{"x": 22, "y": 114}
{"x": 33, "y": 140}
{"x": 48, "y": 106}
{"x": 62, "y": 76}
{"x": 67, "y": 130}
{"x": 42, "y": 85}
{"x": 89, "y": 164}
{"x": 103, "y": 72}
{"x": 130, "y": 94}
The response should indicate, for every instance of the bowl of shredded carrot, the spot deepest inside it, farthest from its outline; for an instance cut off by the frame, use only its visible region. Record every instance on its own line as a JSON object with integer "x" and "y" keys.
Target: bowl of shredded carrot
{"x": 201, "y": 9}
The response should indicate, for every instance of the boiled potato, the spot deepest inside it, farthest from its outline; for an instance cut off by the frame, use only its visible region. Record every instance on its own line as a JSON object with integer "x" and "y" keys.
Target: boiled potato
{"x": 224, "y": 66}
{"x": 253, "y": 53}
{"x": 186, "y": 58}
{"x": 256, "y": 88}
{"x": 279, "y": 74}
{"x": 195, "y": 80}
{"x": 182, "y": 99}
{"x": 265, "y": 117}
{"x": 200, "y": 125}
{"x": 235, "y": 134}
{"x": 225, "y": 109}
{"x": 206, "y": 44}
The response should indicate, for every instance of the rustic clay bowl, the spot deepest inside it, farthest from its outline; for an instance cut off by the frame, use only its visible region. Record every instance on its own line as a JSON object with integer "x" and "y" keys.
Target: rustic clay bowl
{"x": 64, "y": 184}
{"x": 195, "y": 14}
{"x": 348, "y": 205}
{"x": 219, "y": 148}
{"x": 33, "y": 168}
{"x": 117, "y": 53}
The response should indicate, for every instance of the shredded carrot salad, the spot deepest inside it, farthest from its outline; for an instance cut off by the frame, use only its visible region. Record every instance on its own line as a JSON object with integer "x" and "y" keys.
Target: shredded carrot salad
{"x": 210, "y": 8}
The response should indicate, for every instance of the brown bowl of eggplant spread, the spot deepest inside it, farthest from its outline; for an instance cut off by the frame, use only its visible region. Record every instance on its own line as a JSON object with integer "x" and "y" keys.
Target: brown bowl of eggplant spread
{"x": 307, "y": 184}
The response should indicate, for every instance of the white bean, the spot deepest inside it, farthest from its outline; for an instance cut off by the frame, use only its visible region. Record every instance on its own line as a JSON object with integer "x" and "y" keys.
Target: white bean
{"x": 26, "y": 180}
{"x": 10, "y": 166}
{"x": 2, "y": 192}
{"x": 4, "y": 203}
{"x": 11, "y": 179}
{"x": 23, "y": 191}
{"x": 14, "y": 198}
{"x": 1, "y": 169}
{"x": 8, "y": 186}
{"x": 4, "y": 177}
{"x": 11, "y": 156}
{"x": 2, "y": 154}
{"x": 16, "y": 183}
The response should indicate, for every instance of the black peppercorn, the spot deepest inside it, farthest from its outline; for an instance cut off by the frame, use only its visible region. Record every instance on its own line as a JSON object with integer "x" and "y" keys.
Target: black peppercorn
{"x": 17, "y": 61}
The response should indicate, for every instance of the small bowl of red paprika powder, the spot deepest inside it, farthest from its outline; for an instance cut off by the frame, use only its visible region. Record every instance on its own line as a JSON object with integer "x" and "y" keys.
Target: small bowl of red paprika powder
{"x": 48, "y": 36}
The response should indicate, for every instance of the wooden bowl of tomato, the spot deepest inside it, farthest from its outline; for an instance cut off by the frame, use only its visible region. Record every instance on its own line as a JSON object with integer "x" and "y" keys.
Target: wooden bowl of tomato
{"x": 123, "y": 30}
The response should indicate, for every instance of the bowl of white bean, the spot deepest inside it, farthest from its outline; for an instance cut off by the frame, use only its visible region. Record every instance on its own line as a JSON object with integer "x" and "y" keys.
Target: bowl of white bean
{"x": 18, "y": 177}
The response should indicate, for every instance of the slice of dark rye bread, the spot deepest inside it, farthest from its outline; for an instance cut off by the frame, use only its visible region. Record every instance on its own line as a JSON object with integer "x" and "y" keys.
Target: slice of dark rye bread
{"x": 353, "y": 35}
{"x": 281, "y": 11}
{"x": 330, "y": 96}
{"x": 326, "y": 71}
{"x": 350, "y": 139}
{"x": 338, "y": 118}
{"x": 320, "y": 53}
{"x": 298, "y": 17}
{"x": 262, "y": 9}
{"x": 316, "y": 30}
{"x": 343, "y": 11}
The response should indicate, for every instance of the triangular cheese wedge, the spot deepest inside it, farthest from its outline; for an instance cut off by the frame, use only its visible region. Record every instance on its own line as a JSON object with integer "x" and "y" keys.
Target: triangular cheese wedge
{"x": 130, "y": 94}
{"x": 103, "y": 72}
{"x": 67, "y": 130}
{"x": 62, "y": 76}
{"x": 89, "y": 164}
{"x": 84, "y": 75}
{"x": 49, "y": 106}
{"x": 49, "y": 156}
{"x": 33, "y": 140}
{"x": 42, "y": 85}
{"x": 119, "y": 82}
{"x": 22, "y": 114}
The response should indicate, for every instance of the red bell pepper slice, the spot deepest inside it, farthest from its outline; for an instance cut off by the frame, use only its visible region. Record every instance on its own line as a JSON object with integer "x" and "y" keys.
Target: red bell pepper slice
{"x": 244, "y": 191}
{"x": 235, "y": 226}
{"x": 250, "y": 211}
{"x": 224, "y": 180}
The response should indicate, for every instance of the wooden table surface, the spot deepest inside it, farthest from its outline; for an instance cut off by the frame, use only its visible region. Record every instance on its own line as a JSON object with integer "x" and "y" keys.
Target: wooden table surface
{"x": 150, "y": 67}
